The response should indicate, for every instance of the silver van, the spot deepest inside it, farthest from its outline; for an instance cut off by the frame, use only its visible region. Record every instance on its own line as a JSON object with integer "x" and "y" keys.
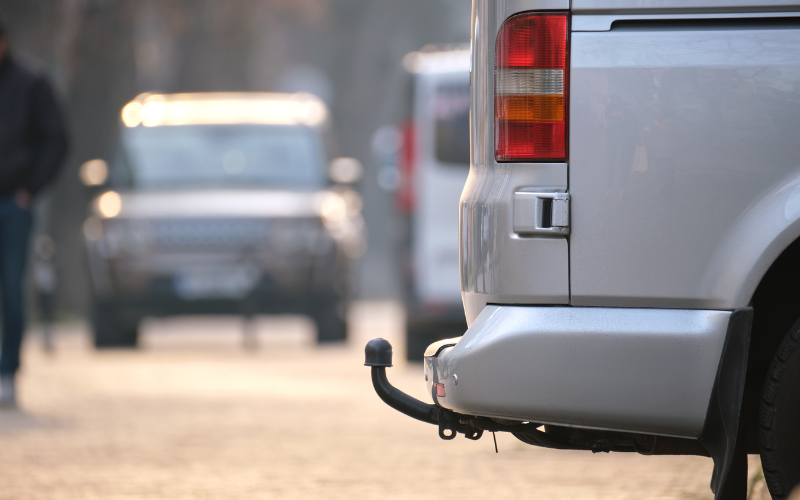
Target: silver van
{"x": 221, "y": 203}
{"x": 630, "y": 235}
{"x": 434, "y": 164}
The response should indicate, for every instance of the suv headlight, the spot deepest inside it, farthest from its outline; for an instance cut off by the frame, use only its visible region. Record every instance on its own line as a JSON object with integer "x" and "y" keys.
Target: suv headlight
{"x": 333, "y": 208}
{"x": 109, "y": 204}
{"x": 114, "y": 236}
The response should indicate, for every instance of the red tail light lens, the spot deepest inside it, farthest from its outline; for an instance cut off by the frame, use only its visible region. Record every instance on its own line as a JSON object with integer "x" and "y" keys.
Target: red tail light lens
{"x": 404, "y": 196}
{"x": 530, "y": 88}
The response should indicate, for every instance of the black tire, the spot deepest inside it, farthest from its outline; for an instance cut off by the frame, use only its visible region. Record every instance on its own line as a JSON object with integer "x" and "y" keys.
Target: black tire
{"x": 779, "y": 418}
{"x": 331, "y": 324}
{"x": 113, "y": 328}
{"x": 420, "y": 333}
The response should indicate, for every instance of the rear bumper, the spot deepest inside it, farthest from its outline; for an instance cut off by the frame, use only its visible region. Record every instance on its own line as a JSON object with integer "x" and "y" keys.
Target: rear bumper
{"x": 638, "y": 370}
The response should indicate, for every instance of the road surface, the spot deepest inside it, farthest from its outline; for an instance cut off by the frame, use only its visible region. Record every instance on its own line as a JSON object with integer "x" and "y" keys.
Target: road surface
{"x": 192, "y": 415}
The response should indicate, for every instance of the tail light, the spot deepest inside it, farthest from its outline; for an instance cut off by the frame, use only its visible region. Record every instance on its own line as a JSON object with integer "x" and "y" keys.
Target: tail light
{"x": 530, "y": 88}
{"x": 404, "y": 196}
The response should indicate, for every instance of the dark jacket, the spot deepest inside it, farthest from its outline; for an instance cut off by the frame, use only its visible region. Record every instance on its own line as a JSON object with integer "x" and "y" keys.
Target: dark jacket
{"x": 33, "y": 139}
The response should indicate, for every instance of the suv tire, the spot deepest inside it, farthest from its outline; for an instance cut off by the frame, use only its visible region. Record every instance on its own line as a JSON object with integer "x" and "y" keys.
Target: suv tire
{"x": 112, "y": 329}
{"x": 331, "y": 327}
{"x": 779, "y": 418}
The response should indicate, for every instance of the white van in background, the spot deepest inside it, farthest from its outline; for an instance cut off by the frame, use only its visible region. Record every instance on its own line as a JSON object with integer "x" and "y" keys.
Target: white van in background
{"x": 433, "y": 166}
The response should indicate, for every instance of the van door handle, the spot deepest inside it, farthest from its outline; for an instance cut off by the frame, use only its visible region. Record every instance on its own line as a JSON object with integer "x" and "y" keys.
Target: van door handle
{"x": 541, "y": 213}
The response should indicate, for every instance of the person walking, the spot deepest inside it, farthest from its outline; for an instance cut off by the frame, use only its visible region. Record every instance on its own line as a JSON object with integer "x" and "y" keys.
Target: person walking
{"x": 33, "y": 143}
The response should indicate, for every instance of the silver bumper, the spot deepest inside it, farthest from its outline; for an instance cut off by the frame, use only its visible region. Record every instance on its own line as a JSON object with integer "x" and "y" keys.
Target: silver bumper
{"x": 638, "y": 370}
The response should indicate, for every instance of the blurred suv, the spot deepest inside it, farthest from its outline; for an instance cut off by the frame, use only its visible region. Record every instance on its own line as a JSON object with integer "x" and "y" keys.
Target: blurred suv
{"x": 222, "y": 203}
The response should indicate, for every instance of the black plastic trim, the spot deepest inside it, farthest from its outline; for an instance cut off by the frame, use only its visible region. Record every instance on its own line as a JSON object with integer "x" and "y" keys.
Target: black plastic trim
{"x": 707, "y": 24}
{"x": 721, "y": 434}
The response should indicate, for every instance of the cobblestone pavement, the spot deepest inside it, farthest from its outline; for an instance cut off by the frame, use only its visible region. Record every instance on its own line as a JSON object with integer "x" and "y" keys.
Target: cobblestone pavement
{"x": 192, "y": 415}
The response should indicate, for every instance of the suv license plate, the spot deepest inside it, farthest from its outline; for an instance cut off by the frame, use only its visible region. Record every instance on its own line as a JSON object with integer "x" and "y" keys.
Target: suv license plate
{"x": 224, "y": 282}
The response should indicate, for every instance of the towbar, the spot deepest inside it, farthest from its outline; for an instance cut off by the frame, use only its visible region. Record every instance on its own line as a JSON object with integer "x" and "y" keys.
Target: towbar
{"x": 378, "y": 356}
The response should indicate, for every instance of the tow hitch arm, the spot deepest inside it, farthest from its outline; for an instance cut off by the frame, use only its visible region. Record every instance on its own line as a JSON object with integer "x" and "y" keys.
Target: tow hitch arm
{"x": 378, "y": 354}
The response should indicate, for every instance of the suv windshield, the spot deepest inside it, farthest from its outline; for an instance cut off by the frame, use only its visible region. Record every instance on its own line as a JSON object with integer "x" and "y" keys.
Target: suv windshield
{"x": 220, "y": 156}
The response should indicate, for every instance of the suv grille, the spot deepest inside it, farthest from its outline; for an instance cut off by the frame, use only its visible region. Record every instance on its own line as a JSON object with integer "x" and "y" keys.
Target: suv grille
{"x": 209, "y": 233}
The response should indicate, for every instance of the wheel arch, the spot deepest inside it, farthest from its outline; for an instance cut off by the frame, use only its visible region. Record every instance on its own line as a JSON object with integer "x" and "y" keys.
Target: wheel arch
{"x": 754, "y": 245}
{"x": 776, "y": 306}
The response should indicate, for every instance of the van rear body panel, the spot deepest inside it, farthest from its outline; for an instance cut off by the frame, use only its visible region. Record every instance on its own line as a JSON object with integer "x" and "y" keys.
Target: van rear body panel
{"x": 677, "y": 133}
{"x": 497, "y": 264}
{"x": 669, "y": 196}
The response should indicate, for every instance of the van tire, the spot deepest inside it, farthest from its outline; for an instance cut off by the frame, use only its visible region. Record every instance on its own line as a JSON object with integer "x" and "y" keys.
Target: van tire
{"x": 422, "y": 332}
{"x": 779, "y": 417}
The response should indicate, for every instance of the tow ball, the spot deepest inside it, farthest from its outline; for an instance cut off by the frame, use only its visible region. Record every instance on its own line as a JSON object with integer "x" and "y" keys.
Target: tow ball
{"x": 378, "y": 356}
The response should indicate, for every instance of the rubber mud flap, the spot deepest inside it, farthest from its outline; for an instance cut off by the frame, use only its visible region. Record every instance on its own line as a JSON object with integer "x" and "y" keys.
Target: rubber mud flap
{"x": 721, "y": 435}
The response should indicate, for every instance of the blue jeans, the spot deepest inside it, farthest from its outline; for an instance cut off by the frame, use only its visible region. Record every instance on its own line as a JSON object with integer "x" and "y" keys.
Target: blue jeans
{"x": 15, "y": 228}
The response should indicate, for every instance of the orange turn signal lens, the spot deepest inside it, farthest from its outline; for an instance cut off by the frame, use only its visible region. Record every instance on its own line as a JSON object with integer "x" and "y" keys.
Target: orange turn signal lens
{"x": 529, "y": 108}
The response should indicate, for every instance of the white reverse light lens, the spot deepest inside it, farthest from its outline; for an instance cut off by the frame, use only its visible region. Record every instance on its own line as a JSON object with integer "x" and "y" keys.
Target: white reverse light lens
{"x": 526, "y": 81}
